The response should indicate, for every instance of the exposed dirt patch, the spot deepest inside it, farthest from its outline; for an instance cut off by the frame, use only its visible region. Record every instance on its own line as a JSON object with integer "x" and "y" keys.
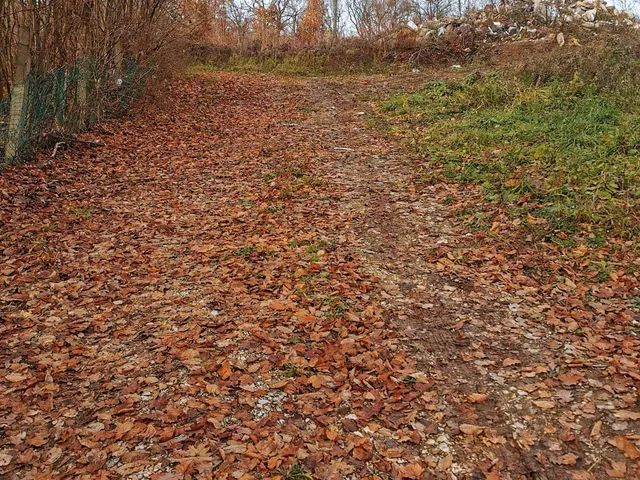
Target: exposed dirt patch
{"x": 540, "y": 415}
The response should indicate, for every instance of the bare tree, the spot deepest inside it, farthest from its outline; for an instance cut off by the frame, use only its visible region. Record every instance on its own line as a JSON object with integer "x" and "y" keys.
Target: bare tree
{"x": 425, "y": 10}
{"x": 371, "y": 18}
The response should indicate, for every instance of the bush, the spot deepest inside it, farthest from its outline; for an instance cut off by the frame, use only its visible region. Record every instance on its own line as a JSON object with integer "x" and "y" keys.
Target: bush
{"x": 397, "y": 51}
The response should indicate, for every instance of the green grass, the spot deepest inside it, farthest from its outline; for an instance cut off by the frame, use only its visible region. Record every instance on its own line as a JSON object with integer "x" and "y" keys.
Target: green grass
{"x": 295, "y": 471}
{"x": 245, "y": 251}
{"x": 82, "y": 213}
{"x": 300, "y": 64}
{"x": 564, "y": 153}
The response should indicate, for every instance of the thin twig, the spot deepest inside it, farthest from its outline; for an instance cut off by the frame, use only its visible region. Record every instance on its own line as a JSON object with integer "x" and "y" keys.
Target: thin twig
{"x": 55, "y": 149}
{"x": 76, "y": 140}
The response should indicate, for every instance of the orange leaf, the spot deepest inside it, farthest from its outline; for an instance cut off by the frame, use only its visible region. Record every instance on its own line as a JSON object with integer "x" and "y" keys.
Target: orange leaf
{"x": 332, "y": 433}
{"x": 224, "y": 371}
{"x": 624, "y": 444}
{"x": 617, "y": 470}
{"x": 477, "y": 397}
{"x": 507, "y": 362}
{"x": 277, "y": 305}
{"x": 317, "y": 381}
{"x": 413, "y": 470}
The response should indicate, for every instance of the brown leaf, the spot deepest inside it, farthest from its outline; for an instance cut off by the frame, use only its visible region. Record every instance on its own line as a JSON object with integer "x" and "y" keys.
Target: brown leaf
{"x": 413, "y": 470}
{"x": 224, "y": 371}
{"x": 445, "y": 463}
{"x": 39, "y": 439}
{"x": 569, "y": 459}
{"x": 361, "y": 454}
{"x": 318, "y": 381}
{"x": 477, "y": 397}
{"x": 468, "y": 429}
{"x": 212, "y": 388}
{"x": 494, "y": 437}
{"x": 54, "y": 454}
{"x": 624, "y": 444}
{"x": 570, "y": 378}
{"x": 526, "y": 439}
{"x": 16, "y": 377}
{"x": 277, "y": 305}
{"x": 627, "y": 414}
{"x": 617, "y": 470}
{"x": 507, "y": 362}
{"x": 544, "y": 404}
{"x": 332, "y": 433}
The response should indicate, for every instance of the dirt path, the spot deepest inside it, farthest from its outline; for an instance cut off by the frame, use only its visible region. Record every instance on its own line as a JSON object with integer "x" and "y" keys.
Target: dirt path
{"x": 237, "y": 286}
{"x": 511, "y": 402}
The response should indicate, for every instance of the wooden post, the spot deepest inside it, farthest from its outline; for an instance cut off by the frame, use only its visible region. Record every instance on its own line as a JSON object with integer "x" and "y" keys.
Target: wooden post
{"x": 119, "y": 60}
{"x": 82, "y": 95}
{"x": 19, "y": 94}
{"x": 334, "y": 19}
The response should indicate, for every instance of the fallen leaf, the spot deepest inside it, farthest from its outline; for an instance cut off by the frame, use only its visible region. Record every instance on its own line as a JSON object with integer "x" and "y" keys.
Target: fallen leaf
{"x": 570, "y": 378}
{"x": 468, "y": 429}
{"x": 627, "y": 415}
{"x": 16, "y": 377}
{"x": 54, "y": 454}
{"x": 477, "y": 397}
{"x": 413, "y": 470}
{"x": 507, "y": 362}
{"x": 617, "y": 470}
{"x": 569, "y": 459}
{"x": 526, "y": 439}
{"x": 624, "y": 444}
{"x": 277, "y": 305}
{"x": 492, "y": 475}
{"x": 332, "y": 433}
{"x": 224, "y": 371}
{"x": 544, "y": 404}
{"x": 445, "y": 463}
{"x": 5, "y": 459}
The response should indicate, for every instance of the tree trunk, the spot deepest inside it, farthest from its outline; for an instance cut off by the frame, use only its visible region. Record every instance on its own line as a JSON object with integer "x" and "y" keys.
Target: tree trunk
{"x": 334, "y": 27}
{"x": 19, "y": 94}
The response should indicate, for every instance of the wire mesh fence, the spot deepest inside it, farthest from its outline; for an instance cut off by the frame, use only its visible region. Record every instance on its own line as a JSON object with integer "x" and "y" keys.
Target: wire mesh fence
{"x": 49, "y": 106}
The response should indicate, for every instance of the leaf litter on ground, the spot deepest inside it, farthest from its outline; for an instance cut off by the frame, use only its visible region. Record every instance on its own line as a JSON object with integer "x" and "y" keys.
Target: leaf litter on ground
{"x": 195, "y": 300}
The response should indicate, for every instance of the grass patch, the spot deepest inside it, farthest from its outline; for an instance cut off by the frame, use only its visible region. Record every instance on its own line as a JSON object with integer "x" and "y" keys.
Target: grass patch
{"x": 564, "y": 154}
{"x": 300, "y": 64}
{"x": 295, "y": 471}
{"x": 79, "y": 212}
{"x": 245, "y": 251}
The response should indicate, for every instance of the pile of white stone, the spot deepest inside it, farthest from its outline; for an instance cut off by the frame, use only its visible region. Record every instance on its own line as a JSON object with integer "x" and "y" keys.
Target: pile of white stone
{"x": 529, "y": 18}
